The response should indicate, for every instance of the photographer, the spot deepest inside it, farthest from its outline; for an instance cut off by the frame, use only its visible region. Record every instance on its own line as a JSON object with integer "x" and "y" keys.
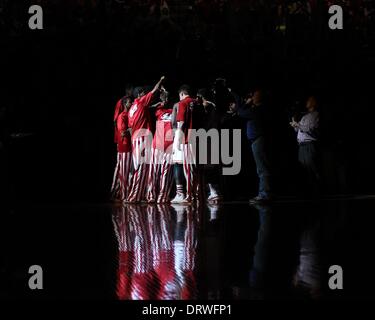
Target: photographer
{"x": 307, "y": 137}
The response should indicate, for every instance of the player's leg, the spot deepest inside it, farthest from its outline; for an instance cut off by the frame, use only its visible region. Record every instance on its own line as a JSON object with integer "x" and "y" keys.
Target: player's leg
{"x": 189, "y": 172}
{"x": 145, "y": 150}
{"x": 126, "y": 172}
{"x": 166, "y": 178}
{"x": 122, "y": 177}
{"x": 213, "y": 183}
{"x": 152, "y": 177}
{"x": 137, "y": 178}
{"x": 180, "y": 182}
{"x": 116, "y": 184}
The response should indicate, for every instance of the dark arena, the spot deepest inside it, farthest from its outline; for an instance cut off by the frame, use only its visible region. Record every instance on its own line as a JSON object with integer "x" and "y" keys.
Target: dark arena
{"x": 209, "y": 151}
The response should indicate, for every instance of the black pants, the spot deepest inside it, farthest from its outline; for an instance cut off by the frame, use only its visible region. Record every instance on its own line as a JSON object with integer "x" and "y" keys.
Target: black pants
{"x": 179, "y": 176}
{"x": 308, "y": 157}
{"x": 212, "y": 174}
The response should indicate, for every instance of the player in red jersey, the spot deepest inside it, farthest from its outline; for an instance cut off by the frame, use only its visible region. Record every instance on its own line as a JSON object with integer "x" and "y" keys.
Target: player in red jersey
{"x": 140, "y": 124}
{"x": 183, "y": 155}
{"x": 121, "y": 178}
{"x": 160, "y": 177}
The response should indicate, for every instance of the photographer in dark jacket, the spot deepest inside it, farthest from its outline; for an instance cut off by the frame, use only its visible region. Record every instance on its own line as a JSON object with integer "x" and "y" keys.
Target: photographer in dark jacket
{"x": 256, "y": 114}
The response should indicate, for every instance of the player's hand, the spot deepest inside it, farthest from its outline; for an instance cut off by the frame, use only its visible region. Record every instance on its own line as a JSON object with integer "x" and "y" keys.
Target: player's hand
{"x": 162, "y": 78}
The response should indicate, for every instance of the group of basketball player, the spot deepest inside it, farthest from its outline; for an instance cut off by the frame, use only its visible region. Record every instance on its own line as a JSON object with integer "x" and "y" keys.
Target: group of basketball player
{"x": 156, "y": 162}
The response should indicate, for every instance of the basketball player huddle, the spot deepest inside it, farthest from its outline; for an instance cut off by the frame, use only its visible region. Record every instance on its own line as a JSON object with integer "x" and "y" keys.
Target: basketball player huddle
{"x": 159, "y": 166}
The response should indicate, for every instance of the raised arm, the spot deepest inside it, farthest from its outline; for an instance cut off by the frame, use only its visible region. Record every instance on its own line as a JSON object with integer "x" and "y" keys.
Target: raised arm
{"x": 148, "y": 97}
{"x": 157, "y": 86}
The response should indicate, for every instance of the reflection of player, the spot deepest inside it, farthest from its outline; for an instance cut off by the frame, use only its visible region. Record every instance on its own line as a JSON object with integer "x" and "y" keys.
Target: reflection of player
{"x": 184, "y": 252}
{"x": 156, "y": 254}
{"x": 135, "y": 277}
{"x": 144, "y": 280}
{"x": 164, "y": 261}
{"x": 140, "y": 123}
{"x": 174, "y": 248}
{"x": 126, "y": 255}
{"x": 161, "y": 175}
{"x": 184, "y": 168}
{"x": 122, "y": 173}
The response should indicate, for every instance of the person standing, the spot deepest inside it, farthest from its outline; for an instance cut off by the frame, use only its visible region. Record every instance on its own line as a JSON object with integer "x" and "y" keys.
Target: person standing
{"x": 210, "y": 119}
{"x": 183, "y": 157}
{"x": 256, "y": 114}
{"x": 122, "y": 175}
{"x": 160, "y": 177}
{"x": 307, "y": 137}
{"x": 140, "y": 124}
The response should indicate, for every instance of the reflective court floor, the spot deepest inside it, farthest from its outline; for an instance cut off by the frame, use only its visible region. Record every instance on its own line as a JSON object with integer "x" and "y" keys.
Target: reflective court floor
{"x": 228, "y": 251}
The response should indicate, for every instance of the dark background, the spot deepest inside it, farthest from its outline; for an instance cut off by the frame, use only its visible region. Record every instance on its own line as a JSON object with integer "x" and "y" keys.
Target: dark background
{"x": 61, "y": 83}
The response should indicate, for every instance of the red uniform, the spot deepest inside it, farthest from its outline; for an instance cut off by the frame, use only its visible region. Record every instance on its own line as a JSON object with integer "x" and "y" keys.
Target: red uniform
{"x": 122, "y": 175}
{"x": 123, "y": 136}
{"x": 160, "y": 177}
{"x": 140, "y": 122}
{"x": 118, "y": 110}
{"x": 163, "y": 136}
{"x": 185, "y": 114}
{"x": 139, "y": 114}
